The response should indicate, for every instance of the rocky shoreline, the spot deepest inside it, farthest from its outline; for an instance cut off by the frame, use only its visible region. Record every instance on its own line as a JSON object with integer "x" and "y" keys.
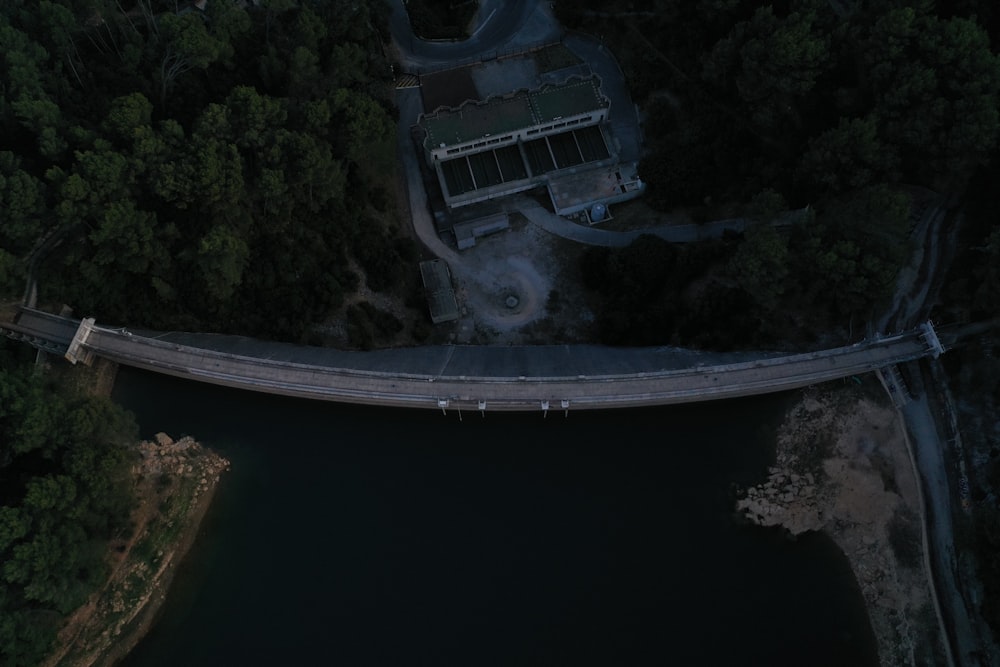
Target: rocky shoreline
{"x": 174, "y": 483}
{"x": 842, "y": 467}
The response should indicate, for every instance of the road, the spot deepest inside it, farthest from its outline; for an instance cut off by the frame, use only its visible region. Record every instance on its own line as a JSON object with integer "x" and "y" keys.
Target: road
{"x": 914, "y": 297}
{"x": 506, "y": 21}
{"x": 513, "y": 378}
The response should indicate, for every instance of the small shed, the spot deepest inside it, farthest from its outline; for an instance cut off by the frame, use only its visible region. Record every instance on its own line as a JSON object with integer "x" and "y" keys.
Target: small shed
{"x": 466, "y": 233}
{"x": 441, "y": 301}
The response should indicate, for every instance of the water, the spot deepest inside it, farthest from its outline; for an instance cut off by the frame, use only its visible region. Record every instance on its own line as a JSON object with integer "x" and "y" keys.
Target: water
{"x": 363, "y": 536}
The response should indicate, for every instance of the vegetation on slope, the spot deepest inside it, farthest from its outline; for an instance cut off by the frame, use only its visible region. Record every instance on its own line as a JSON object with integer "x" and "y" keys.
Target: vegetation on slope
{"x": 212, "y": 170}
{"x": 64, "y": 494}
{"x": 807, "y": 97}
{"x": 839, "y": 106}
{"x": 828, "y": 270}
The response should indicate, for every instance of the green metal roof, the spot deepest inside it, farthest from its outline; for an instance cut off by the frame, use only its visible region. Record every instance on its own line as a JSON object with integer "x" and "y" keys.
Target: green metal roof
{"x": 569, "y": 99}
{"x": 499, "y": 115}
{"x": 475, "y": 120}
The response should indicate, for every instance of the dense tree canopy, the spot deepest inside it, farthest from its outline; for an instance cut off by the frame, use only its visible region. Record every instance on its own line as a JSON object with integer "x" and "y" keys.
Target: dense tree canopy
{"x": 208, "y": 169}
{"x": 805, "y": 96}
{"x": 839, "y": 106}
{"x": 831, "y": 268}
{"x": 64, "y": 493}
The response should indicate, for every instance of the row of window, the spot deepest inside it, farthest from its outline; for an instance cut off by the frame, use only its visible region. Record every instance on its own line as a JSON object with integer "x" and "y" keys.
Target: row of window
{"x": 480, "y": 144}
{"x": 547, "y": 128}
{"x": 534, "y": 131}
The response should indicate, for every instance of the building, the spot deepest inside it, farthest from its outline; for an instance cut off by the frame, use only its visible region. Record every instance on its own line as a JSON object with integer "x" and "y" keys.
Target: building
{"x": 482, "y": 150}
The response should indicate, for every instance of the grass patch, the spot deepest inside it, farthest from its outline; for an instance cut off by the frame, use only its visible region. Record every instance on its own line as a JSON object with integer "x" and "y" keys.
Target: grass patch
{"x": 555, "y": 57}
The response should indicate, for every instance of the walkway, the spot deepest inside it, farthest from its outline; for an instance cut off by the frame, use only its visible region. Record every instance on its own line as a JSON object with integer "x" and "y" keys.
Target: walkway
{"x": 514, "y": 25}
{"x": 478, "y": 377}
{"x": 567, "y": 229}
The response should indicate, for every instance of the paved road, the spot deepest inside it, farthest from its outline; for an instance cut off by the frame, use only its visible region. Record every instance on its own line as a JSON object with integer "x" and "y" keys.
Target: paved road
{"x": 590, "y": 235}
{"x": 505, "y": 378}
{"x": 506, "y": 20}
{"x": 410, "y": 107}
{"x": 911, "y": 303}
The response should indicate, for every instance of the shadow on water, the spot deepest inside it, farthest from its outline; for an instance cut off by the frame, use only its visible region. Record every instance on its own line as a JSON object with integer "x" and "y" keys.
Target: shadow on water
{"x": 364, "y": 536}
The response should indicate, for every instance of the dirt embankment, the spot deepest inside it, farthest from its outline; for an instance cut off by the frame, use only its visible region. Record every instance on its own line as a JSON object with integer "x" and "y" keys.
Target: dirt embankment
{"x": 174, "y": 483}
{"x": 843, "y": 467}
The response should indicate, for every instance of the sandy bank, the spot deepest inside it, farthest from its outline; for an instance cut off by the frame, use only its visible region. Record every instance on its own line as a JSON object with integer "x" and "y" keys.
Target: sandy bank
{"x": 842, "y": 467}
{"x": 174, "y": 483}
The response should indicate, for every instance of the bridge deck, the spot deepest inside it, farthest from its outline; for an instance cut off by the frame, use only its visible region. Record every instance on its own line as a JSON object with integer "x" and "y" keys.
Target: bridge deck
{"x": 506, "y": 378}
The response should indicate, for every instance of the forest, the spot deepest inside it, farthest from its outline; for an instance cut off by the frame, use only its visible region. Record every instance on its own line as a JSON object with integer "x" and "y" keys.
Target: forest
{"x": 64, "y": 494}
{"x": 854, "y": 109}
{"x": 228, "y": 169}
{"x": 219, "y": 169}
{"x": 233, "y": 169}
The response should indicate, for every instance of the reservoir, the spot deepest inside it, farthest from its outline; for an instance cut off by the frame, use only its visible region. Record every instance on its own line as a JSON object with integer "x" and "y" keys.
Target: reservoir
{"x": 367, "y": 536}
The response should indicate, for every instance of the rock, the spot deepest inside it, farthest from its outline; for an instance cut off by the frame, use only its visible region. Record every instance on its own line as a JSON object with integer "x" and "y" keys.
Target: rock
{"x": 163, "y": 439}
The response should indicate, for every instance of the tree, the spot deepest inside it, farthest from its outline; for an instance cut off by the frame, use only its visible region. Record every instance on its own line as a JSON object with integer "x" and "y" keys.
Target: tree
{"x": 761, "y": 264}
{"x": 273, "y": 9}
{"x": 145, "y": 140}
{"x": 348, "y": 64}
{"x": 369, "y": 136}
{"x": 125, "y": 240}
{"x": 851, "y": 256}
{"x": 771, "y": 61}
{"x": 848, "y": 157}
{"x": 222, "y": 258}
{"x": 22, "y": 201}
{"x": 303, "y": 71}
{"x": 935, "y": 83}
{"x": 65, "y": 493}
{"x": 58, "y": 25}
{"x": 128, "y": 115}
{"x": 218, "y": 176}
{"x": 105, "y": 171}
{"x": 251, "y": 118}
{"x": 186, "y": 45}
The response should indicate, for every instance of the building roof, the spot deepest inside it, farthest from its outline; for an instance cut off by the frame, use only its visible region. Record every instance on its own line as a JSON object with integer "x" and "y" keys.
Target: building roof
{"x": 474, "y": 120}
{"x": 440, "y": 295}
{"x": 575, "y": 97}
{"x": 500, "y": 114}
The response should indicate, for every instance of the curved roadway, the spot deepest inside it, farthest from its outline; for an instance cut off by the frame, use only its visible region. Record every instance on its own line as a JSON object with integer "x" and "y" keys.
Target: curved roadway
{"x": 553, "y": 377}
{"x": 501, "y": 25}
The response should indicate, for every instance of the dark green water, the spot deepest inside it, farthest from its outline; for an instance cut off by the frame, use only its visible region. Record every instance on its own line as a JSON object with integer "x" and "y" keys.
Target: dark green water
{"x": 359, "y": 536}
